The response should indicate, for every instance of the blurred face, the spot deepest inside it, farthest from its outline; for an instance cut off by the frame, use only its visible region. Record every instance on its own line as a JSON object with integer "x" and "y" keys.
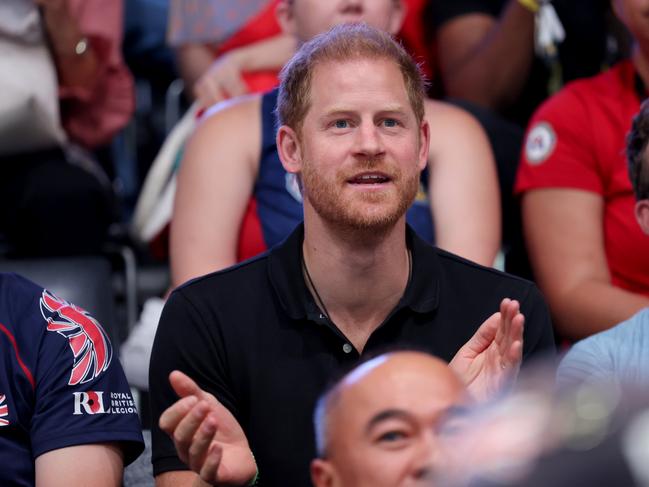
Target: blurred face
{"x": 383, "y": 428}
{"x": 361, "y": 148}
{"x": 634, "y": 14}
{"x": 307, "y": 18}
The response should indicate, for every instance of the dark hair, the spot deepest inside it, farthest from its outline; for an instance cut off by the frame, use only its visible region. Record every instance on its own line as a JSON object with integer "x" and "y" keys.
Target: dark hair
{"x": 342, "y": 43}
{"x": 636, "y": 147}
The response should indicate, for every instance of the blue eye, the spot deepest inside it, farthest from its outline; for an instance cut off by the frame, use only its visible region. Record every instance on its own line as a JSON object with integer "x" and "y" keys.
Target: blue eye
{"x": 390, "y": 122}
{"x": 341, "y": 124}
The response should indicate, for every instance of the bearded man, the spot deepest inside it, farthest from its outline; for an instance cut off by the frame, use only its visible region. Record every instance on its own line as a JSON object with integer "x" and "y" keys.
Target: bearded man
{"x": 262, "y": 339}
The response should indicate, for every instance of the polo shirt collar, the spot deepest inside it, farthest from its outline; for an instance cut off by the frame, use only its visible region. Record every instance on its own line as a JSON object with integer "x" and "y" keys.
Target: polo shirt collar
{"x": 285, "y": 274}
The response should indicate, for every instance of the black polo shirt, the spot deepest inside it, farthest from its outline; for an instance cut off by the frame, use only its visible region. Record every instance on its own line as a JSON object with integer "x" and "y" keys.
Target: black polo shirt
{"x": 253, "y": 336}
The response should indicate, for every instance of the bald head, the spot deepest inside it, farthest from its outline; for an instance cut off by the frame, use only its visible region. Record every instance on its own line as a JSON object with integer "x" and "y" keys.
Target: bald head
{"x": 377, "y": 425}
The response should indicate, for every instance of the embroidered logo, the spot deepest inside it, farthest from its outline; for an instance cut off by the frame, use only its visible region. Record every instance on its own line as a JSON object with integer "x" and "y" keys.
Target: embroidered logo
{"x": 89, "y": 342}
{"x": 540, "y": 143}
{"x": 92, "y": 402}
{"x": 101, "y": 402}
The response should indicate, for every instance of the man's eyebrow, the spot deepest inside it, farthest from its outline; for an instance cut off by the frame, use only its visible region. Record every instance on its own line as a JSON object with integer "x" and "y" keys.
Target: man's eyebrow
{"x": 342, "y": 110}
{"x": 387, "y": 414}
{"x": 393, "y": 109}
{"x": 337, "y": 112}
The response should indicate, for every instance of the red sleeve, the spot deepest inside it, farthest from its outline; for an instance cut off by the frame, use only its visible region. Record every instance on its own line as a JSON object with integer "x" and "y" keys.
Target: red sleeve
{"x": 559, "y": 149}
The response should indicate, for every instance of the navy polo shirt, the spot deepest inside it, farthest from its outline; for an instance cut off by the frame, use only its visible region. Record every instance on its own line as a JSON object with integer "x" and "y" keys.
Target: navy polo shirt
{"x": 253, "y": 336}
{"x": 60, "y": 383}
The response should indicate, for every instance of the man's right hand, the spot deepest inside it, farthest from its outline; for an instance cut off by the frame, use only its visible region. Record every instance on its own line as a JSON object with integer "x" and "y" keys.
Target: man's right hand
{"x": 207, "y": 436}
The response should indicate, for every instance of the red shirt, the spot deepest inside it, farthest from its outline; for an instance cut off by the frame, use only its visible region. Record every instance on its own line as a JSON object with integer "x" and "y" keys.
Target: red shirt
{"x": 262, "y": 26}
{"x": 576, "y": 139}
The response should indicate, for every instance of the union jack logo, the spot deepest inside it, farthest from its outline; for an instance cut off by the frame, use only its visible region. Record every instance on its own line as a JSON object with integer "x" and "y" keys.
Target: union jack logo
{"x": 88, "y": 340}
{"x": 4, "y": 411}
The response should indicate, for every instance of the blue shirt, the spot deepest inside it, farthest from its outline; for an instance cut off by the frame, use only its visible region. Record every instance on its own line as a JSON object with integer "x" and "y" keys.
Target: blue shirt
{"x": 60, "y": 384}
{"x": 619, "y": 354}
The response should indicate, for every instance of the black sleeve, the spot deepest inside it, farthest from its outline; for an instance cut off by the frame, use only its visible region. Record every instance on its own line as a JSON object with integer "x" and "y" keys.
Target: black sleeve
{"x": 185, "y": 341}
{"x": 441, "y": 11}
{"x": 538, "y": 336}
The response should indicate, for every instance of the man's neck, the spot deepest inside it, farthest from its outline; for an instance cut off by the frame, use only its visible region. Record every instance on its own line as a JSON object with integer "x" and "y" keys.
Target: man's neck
{"x": 358, "y": 276}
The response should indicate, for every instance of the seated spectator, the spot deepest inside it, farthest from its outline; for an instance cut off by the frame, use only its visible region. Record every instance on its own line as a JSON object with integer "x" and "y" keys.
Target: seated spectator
{"x": 488, "y": 64}
{"x": 588, "y": 252}
{"x": 403, "y": 419}
{"x": 233, "y": 156}
{"x": 47, "y": 191}
{"x": 379, "y": 425}
{"x": 67, "y": 416}
{"x": 619, "y": 354}
{"x": 227, "y": 48}
{"x": 349, "y": 281}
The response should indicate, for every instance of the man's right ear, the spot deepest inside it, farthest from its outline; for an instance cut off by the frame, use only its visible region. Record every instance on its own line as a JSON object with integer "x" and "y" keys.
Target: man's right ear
{"x": 642, "y": 215}
{"x": 285, "y": 17}
{"x": 289, "y": 150}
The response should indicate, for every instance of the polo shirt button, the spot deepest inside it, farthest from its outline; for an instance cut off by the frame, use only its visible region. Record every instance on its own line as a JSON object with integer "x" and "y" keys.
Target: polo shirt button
{"x": 347, "y": 348}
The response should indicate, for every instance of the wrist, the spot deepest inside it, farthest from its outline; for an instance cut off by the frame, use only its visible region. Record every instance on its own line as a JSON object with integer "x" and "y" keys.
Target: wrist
{"x": 531, "y": 5}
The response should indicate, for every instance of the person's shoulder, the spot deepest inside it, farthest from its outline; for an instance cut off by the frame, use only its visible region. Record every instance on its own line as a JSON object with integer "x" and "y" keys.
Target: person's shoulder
{"x": 477, "y": 275}
{"x": 606, "y": 86}
{"x": 609, "y": 342}
{"x": 18, "y": 284}
{"x": 231, "y": 129}
{"x": 228, "y": 279}
{"x": 446, "y": 117}
{"x": 17, "y": 294}
{"x": 633, "y": 330}
{"x": 452, "y": 128}
{"x": 238, "y": 110}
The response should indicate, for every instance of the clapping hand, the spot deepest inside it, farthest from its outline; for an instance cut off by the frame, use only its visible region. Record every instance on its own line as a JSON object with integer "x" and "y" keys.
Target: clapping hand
{"x": 490, "y": 360}
{"x": 207, "y": 436}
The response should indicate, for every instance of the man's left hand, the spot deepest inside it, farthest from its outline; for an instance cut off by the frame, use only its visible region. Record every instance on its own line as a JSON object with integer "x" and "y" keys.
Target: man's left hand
{"x": 491, "y": 359}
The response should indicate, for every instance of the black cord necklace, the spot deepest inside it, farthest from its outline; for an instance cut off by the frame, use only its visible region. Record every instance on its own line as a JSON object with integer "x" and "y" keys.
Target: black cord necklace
{"x": 319, "y": 300}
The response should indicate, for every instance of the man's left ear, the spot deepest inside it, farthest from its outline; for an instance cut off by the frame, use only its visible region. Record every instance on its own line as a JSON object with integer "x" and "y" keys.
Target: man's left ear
{"x": 424, "y": 143}
{"x": 642, "y": 214}
{"x": 288, "y": 149}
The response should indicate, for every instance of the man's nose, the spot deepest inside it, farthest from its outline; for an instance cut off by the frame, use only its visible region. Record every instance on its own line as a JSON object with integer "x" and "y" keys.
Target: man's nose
{"x": 369, "y": 142}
